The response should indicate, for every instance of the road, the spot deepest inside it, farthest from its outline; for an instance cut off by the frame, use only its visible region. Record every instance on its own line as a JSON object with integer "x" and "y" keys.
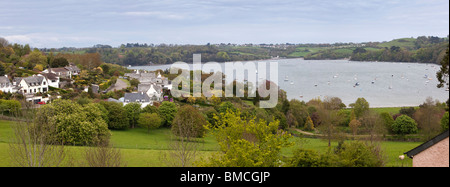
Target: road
{"x": 120, "y": 84}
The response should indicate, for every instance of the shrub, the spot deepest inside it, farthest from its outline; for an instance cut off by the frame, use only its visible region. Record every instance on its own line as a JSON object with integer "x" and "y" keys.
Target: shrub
{"x": 404, "y": 125}
{"x": 73, "y": 123}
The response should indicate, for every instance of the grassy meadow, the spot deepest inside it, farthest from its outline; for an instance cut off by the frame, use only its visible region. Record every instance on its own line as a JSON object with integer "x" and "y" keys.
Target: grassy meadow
{"x": 142, "y": 149}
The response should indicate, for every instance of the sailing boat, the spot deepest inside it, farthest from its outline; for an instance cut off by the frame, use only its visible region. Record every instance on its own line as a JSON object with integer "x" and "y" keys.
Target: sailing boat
{"x": 286, "y": 78}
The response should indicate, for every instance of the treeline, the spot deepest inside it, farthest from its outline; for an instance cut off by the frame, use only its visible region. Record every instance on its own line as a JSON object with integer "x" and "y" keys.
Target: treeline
{"x": 136, "y": 54}
{"x": 423, "y": 50}
{"x": 432, "y": 54}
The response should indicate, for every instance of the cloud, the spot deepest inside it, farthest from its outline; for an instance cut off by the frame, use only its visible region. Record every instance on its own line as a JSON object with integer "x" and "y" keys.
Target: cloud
{"x": 157, "y": 14}
{"x": 53, "y": 40}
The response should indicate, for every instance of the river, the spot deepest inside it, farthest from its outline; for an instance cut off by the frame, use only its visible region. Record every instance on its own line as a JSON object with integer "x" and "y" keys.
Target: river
{"x": 382, "y": 84}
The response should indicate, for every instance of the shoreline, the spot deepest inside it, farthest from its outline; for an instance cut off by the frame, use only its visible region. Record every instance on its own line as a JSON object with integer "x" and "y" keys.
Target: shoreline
{"x": 296, "y": 58}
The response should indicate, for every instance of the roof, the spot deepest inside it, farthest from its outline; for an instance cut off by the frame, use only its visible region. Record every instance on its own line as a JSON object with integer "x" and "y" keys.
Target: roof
{"x": 58, "y": 70}
{"x": 427, "y": 144}
{"x": 72, "y": 68}
{"x": 136, "y": 97}
{"x": 31, "y": 81}
{"x": 4, "y": 80}
{"x": 50, "y": 76}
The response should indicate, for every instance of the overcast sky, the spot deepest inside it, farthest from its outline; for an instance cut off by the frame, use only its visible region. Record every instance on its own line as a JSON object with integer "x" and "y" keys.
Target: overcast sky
{"x": 84, "y": 23}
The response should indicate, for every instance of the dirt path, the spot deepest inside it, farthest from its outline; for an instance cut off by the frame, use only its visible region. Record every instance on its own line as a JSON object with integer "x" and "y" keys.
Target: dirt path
{"x": 120, "y": 84}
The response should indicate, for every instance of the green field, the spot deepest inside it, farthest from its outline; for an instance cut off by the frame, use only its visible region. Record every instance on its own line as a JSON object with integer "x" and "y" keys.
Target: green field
{"x": 140, "y": 149}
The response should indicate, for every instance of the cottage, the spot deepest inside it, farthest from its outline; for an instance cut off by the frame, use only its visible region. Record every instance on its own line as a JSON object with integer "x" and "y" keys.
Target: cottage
{"x": 53, "y": 79}
{"x": 31, "y": 85}
{"x": 74, "y": 70}
{"x": 5, "y": 85}
{"x": 433, "y": 153}
{"x": 140, "y": 97}
{"x": 152, "y": 90}
{"x": 61, "y": 72}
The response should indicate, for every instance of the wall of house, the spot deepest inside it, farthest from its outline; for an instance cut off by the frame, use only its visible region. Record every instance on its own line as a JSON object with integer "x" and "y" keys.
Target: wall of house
{"x": 435, "y": 156}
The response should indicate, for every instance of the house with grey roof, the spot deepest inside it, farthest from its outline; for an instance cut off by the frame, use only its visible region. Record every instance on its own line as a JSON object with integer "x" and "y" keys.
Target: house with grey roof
{"x": 433, "y": 153}
{"x": 31, "y": 85}
{"x": 152, "y": 90}
{"x": 140, "y": 97}
{"x": 5, "y": 85}
{"x": 53, "y": 79}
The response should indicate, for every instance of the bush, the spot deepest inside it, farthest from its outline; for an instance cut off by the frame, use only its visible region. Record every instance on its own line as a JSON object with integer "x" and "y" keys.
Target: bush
{"x": 73, "y": 123}
{"x": 306, "y": 158}
{"x": 404, "y": 125}
{"x": 359, "y": 154}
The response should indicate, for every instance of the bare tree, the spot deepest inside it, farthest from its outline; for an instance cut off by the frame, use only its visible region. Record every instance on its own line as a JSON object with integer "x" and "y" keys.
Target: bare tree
{"x": 373, "y": 125}
{"x": 329, "y": 119}
{"x": 103, "y": 155}
{"x": 34, "y": 144}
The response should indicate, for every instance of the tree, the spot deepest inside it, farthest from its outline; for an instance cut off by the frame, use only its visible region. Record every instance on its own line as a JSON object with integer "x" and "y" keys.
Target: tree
{"x": 117, "y": 115}
{"x": 309, "y": 125}
{"x": 354, "y": 125}
{"x": 189, "y": 123}
{"x": 149, "y": 121}
{"x": 360, "y": 107}
{"x": 404, "y": 125}
{"x": 328, "y": 120}
{"x": 246, "y": 143}
{"x": 444, "y": 122}
{"x": 372, "y": 124}
{"x": 133, "y": 110}
{"x": 428, "y": 118}
{"x": 442, "y": 74}
{"x": 74, "y": 124}
{"x": 388, "y": 120}
{"x": 34, "y": 58}
{"x": 167, "y": 112}
{"x": 59, "y": 62}
{"x": 34, "y": 145}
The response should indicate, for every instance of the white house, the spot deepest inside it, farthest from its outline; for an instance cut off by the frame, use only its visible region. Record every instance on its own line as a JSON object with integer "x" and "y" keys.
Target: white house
{"x": 53, "y": 79}
{"x": 140, "y": 97}
{"x": 153, "y": 91}
{"x": 60, "y": 72}
{"x": 31, "y": 85}
{"x": 6, "y": 85}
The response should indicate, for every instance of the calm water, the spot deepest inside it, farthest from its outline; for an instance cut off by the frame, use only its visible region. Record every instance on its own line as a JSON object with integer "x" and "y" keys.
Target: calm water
{"x": 382, "y": 84}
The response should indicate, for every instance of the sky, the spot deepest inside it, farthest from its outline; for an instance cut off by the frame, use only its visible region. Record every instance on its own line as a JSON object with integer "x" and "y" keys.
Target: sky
{"x": 84, "y": 23}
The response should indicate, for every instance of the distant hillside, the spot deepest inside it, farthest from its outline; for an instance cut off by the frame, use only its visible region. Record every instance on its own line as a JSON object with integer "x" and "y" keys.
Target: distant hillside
{"x": 422, "y": 49}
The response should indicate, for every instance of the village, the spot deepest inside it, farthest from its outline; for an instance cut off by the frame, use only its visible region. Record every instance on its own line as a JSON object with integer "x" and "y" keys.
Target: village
{"x": 35, "y": 88}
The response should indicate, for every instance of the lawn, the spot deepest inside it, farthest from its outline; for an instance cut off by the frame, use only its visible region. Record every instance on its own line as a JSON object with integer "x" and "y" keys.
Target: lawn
{"x": 142, "y": 149}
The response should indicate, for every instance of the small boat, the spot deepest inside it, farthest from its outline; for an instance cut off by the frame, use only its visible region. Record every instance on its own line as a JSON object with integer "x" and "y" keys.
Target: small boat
{"x": 447, "y": 89}
{"x": 373, "y": 82}
{"x": 286, "y": 78}
{"x": 390, "y": 87}
{"x": 357, "y": 84}
{"x": 315, "y": 85}
{"x": 292, "y": 82}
